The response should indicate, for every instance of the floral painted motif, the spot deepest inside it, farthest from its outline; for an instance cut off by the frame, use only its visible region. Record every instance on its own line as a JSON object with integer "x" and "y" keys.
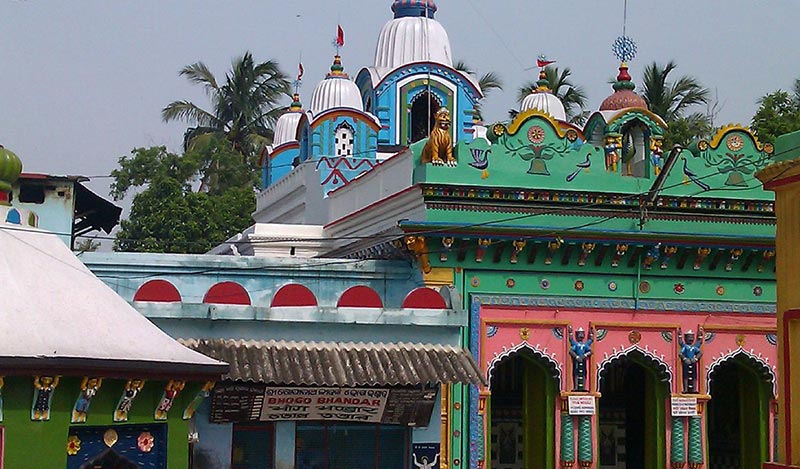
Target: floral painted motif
{"x": 475, "y": 282}
{"x": 73, "y": 445}
{"x": 545, "y": 284}
{"x": 536, "y": 134}
{"x": 645, "y": 287}
{"x": 612, "y": 286}
{"x": 758, "y": 291}
{"x": 579, "y": 286}
{"x": 146, "y": 441}
{"x": 680, "y": 288}
{"x": 511, "y": 283}
{"x": 720, "y": 290}
{"x": 735, "y": 143}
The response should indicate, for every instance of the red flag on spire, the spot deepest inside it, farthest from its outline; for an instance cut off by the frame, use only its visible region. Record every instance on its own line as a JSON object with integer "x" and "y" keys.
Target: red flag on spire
{"x": 301, "y": 71}
{"x": 542, "y": 62}
{"x": 340, "y": 36}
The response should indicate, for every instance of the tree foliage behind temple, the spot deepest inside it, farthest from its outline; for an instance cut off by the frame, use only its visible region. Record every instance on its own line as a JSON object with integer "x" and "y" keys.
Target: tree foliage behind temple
{"x": 778, "y": 114}
{"x": 188, "y": 203}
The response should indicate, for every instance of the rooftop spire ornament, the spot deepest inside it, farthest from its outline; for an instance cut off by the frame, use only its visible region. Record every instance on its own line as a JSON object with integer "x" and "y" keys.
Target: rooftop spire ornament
{"x": 624, "y": 47}
{"x": 542, "y": 63}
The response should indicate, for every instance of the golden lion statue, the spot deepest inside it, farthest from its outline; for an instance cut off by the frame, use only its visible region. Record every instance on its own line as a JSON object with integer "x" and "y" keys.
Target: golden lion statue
{"x": 439, "y": 149}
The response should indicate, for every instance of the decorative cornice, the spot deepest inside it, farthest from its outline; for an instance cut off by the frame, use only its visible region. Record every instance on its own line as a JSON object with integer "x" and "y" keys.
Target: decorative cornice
{"x": 625, "y": 304}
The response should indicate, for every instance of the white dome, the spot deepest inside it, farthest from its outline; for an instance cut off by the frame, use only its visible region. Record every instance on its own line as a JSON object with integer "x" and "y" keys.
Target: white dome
{"x": 286, "y": 128}
{"x": 335, "y": 91}
{"x": 407, "y": 40}
{"x": 546, "y": 102}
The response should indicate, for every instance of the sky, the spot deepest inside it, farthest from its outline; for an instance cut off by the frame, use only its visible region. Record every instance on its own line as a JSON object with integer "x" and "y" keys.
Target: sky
{"x": 83, "y": 82}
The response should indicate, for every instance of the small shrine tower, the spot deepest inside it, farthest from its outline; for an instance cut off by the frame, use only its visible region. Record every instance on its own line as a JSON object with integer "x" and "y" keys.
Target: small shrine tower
{"x": 783, "y": 177}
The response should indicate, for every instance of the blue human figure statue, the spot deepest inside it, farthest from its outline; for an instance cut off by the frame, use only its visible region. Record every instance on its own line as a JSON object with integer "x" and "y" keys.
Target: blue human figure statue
{"x": 690, "y": 354}
{"x": 580, "y": 350}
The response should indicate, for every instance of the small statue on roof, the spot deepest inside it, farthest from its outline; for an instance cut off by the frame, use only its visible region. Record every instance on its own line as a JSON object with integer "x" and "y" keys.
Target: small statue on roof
{"x": 439, "y": 148}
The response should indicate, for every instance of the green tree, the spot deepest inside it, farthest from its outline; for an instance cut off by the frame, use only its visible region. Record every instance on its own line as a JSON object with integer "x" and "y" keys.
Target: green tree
{"x": 778, "y": 113}
{"x": 673, "y": 101}
{"x": 488, "y": 82}
{"x": 572, "y": 96}
{"x": 170, "y": 214}
{"x": 243, "y": 107}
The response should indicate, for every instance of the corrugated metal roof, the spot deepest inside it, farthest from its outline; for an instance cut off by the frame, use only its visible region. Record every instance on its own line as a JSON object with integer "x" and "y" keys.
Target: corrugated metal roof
{"x": 341, "y": 364}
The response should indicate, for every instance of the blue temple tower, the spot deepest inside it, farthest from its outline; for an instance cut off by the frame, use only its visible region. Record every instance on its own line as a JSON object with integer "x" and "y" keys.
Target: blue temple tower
{"x": 413, "y": 76}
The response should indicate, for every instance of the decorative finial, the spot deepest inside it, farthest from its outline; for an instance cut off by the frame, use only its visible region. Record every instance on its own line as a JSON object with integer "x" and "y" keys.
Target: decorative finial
{"x": 543, "y": 82}
{"x": 10, "y": 169}
{"x": 624, "y": 49}
{"x": 296, "y": 104}
{"x": 337, "y": 69}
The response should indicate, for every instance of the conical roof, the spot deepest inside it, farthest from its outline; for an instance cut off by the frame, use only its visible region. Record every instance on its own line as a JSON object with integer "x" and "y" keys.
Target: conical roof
{"x": 59, "y": 318}
{"x": 335, "y": 91}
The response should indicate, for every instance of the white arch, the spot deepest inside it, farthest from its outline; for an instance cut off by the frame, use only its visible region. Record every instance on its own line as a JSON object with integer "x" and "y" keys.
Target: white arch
{"x": 623, "y": 352}
{"x": 751, "y": 354}
{"x": 535, "y": 350}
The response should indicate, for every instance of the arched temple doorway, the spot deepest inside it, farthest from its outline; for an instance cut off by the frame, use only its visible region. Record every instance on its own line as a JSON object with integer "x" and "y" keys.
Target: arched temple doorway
{"x": 632, "y": 426}
{"x": 423, "y": 112}
{"x": 524, "y": 388}
{"x": 738, "y": 413}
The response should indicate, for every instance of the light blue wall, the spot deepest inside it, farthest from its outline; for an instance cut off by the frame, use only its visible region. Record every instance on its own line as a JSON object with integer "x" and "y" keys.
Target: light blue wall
{"x": 323, "y": 137}
{"x": 280, "y": 164}
{"x": 57, "y": 212}
{"x": 194, "y": 274}
{"x": 213, "y": 450}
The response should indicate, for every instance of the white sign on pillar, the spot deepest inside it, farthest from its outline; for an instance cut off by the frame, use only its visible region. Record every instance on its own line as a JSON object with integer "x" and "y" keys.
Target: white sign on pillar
{"x": 582, "y": 405}
{"x": 684, "y": 407}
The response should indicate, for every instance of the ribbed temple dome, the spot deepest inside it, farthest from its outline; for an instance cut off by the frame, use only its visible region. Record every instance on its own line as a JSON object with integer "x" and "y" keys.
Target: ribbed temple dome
{"x": 405, "y": 8}
{"x": 544, "y": 100}
{"x": 286, "y": 127}
{"x": 623, "y": 96}
{"x": 335, "y": 91}
{"x": 409, "y": 39}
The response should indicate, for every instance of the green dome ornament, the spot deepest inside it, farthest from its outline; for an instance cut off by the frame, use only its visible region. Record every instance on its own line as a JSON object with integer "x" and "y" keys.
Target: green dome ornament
{"x": 10, "y": 169}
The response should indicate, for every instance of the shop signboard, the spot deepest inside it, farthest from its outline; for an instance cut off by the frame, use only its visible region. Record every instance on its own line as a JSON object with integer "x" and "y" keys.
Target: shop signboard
{"x": 392, "y": 406}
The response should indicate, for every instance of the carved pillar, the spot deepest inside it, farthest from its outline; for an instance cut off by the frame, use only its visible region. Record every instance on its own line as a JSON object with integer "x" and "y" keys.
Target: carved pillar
{"x": 585, "y": 443}
{"x": 444, "y": 445}
{"x": 678, "y": 453}
{"x": 696, "y": 458}
{"x": 567, "y": 440}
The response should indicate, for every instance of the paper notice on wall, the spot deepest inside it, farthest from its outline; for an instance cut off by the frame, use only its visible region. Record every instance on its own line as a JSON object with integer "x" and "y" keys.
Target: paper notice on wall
{"x": 684, "y": 407}
{"x": 582, "y": 405}
{"x": 342, "y": 404}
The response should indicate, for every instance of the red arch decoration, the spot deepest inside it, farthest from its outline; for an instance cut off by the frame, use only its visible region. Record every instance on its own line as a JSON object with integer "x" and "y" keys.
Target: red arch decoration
{"x": 227, "y": 293}
{"x": 360, "y": 297}
{"x": 424, "y": 298}
{"x": 158, "y": 291}
{"x": 293, "y": 294}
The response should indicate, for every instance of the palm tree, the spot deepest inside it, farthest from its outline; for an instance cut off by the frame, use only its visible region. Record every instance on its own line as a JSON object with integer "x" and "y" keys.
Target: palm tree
{"x": 244, "y": 106}
{"x": 671, "y": 100}
{"x": 573, "y": 97}
{"x": 488, "y": 82}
